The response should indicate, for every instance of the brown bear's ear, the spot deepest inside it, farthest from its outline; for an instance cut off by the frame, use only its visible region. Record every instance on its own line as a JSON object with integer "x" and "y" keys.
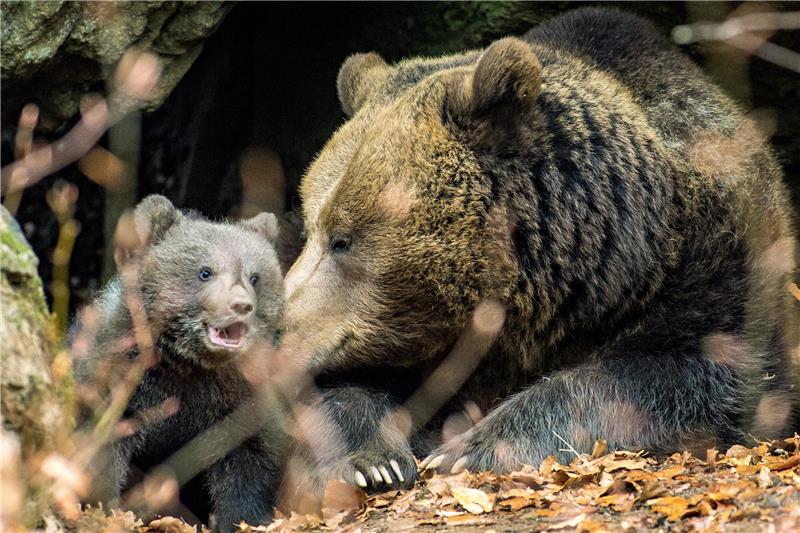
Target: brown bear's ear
{"x": 360, "y": 73}
{"x": 508, "y": 73}
{"x": 498, "y": 101}
{"x": 153, "y": 217}
{"x": 265, "y": 224}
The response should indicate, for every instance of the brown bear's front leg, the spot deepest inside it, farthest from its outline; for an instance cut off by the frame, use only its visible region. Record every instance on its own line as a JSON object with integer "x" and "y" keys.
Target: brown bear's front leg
{"x": 634, "y": 402}
{"x": 351, "y": 435}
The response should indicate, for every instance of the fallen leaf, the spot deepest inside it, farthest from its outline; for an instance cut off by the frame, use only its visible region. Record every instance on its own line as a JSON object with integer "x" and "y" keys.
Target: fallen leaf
{"x": 795, "y": 290}
{"x": 727, "y": 491}
{"x": 592, "y": 525}
{"x": 673, "y": 507}
{"x": 671, "y": 472}
{"x": 791, "y": 462}
{"x": 473, "y": 500}
{"x": 599, "y": 449}
{"x": 572, "y": 522}
{"x": 515, "y": 504}
{"x": 764, "y": 480}
{"x": 738, "y": 451}
{"x": 622, "y": 503}
{"x": 654, "y": 489}
{"x": 627, "y": 464}
{"x": 468, "y": 520}
{"x": 711, "y": 457}
{"x": 170, "y": 524}
{"x": 340, "y": 503}
{"x": 529, "y": 477}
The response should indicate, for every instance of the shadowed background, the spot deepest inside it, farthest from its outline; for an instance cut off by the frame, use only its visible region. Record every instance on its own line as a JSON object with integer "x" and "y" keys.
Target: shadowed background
{"x": 249, "y": 97}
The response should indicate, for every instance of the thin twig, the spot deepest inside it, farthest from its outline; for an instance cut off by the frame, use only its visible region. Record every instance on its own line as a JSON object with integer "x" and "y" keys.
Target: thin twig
{"x": 571, "y": 449}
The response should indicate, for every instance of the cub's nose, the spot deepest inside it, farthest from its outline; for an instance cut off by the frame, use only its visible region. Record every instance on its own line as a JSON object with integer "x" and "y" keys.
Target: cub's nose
{"x": 241, "y": 307}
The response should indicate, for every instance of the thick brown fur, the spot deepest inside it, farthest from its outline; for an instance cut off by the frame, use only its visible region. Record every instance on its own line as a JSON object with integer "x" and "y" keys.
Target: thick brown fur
{"x": 591, "y": 182}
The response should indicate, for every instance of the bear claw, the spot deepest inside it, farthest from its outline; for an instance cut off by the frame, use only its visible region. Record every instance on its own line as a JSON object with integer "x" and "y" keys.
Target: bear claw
{"x": 432, "y": 462}
{"x": 387, "y": 478}
{"x": 460, "y": 465}
{"x": 381, "y": 477}
{"x": 376, "y": 475}
{"x": 396, "y": 467}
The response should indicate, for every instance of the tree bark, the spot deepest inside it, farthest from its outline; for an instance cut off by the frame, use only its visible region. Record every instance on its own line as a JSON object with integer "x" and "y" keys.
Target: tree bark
{"x": 35, "y": 384}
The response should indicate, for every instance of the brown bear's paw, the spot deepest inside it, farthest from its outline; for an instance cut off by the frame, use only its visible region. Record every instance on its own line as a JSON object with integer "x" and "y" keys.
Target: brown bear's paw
{"x": 380, "y": 470}
{"x": 459, "y": 454}
{"x": 370, "y": 449}
{"x": 494, "y": 444}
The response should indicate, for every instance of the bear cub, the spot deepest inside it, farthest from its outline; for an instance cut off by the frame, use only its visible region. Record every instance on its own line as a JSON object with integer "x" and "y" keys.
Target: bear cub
{"x": 207, "y": 295}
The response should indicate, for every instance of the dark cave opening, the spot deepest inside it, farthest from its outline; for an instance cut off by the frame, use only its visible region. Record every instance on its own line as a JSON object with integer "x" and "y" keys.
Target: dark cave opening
{"x": 238, "y": 131}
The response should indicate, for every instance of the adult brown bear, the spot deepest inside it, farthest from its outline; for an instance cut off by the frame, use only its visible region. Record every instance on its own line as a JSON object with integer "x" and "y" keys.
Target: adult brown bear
{"x": 582, "y": 208}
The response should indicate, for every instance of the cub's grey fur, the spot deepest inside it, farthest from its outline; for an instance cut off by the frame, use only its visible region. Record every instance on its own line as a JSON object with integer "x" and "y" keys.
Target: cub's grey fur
{"x": 211, "y": 294}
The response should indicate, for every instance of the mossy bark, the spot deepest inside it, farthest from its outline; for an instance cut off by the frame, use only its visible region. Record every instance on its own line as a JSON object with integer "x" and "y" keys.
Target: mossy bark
{"x": 54, "y": 53}
{"x": 36, "y": 384}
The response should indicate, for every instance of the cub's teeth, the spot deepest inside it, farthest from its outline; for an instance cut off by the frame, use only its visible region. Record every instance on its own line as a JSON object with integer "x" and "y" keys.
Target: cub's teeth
{"x": 229, "y": 337}
{"x": 361, "y": 481}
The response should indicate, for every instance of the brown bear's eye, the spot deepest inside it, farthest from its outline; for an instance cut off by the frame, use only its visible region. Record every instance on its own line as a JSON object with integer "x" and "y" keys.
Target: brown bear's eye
{"x": 204, "y": 274}
{"x": 340, "y": 243}
{"x": 254, "y": 279}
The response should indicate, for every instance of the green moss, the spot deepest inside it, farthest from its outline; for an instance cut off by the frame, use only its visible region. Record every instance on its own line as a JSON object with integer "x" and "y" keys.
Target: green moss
{"x": 9, "y": 239}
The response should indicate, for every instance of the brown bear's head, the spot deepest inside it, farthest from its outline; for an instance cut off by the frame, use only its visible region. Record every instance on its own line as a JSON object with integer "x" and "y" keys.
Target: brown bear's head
{"x": 209, "y": 290}
{"x": 405, "y": 236}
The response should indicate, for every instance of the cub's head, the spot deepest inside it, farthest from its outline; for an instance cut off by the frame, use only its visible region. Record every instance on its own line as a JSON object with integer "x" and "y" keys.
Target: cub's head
{"x": 210, "y": 291}
{"x": 406, "y": 236}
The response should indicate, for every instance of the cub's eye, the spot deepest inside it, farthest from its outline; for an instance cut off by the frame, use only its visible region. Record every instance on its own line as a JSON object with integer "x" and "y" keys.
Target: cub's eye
{"x": 204, "y": 274}
{"x": 340, "y": 243}
{"x": 254, "y": 279}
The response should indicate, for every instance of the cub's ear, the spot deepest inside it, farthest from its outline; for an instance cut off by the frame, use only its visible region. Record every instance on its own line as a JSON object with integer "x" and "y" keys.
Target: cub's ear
{"x": 145, "y": 227}
{"x": 153, "y": 217}
{"x": 265, "y": 224}
{"x": 358, "y": 76}
{"x": 498, "y": 101}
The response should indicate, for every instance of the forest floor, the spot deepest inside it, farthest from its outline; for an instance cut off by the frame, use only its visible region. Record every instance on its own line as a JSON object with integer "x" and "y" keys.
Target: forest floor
{"x": 739, "y": 490}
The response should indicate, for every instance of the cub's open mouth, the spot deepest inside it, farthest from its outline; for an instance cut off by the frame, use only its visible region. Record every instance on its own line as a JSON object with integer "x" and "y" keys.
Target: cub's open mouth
{"x": 231, "y": 336}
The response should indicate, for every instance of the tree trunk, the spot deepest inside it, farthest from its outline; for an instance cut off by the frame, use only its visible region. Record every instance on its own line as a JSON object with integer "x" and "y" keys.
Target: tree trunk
{"x": 36, "y": 383}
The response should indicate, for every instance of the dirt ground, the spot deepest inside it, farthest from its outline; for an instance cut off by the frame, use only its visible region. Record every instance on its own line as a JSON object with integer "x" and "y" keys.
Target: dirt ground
{"x": 738, "y": 490}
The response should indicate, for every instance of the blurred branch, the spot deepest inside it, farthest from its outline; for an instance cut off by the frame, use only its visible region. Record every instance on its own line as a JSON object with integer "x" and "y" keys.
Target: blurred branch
{"x": 739, "y": 32}
{"x": 95, "y": 119}
{"x": 134, "y": 80}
